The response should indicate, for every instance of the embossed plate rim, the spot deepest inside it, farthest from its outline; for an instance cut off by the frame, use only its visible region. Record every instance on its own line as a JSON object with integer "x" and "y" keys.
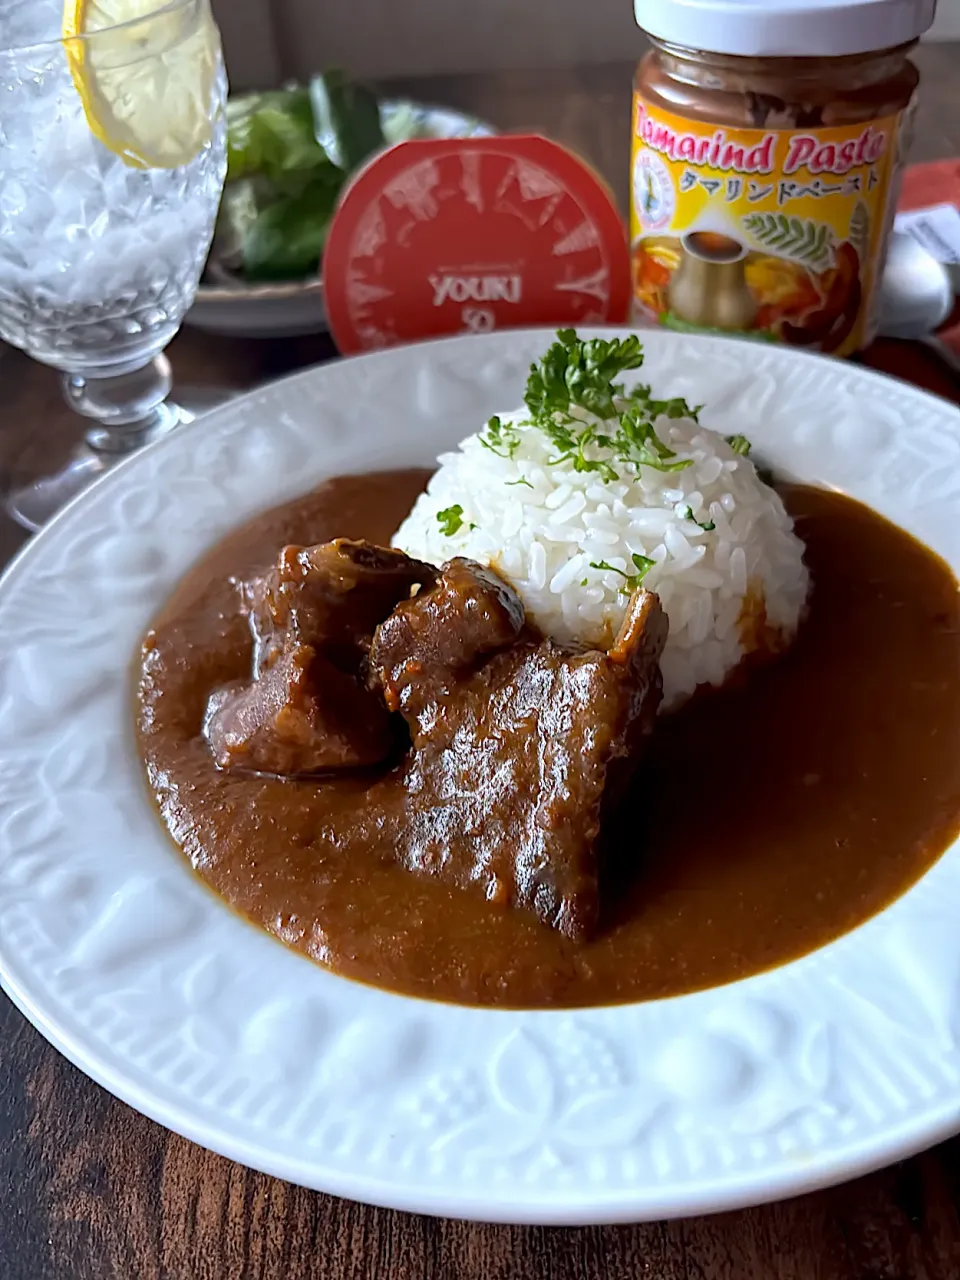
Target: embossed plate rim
{"x": 773, "y": 1086}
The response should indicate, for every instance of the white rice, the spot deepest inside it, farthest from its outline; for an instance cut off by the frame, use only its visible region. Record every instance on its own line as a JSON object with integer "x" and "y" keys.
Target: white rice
{"x": 544, "y": 539}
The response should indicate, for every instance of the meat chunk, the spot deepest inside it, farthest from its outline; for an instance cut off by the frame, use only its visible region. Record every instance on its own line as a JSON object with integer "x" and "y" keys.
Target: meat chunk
{"x": 302, "y": 715}
{"x": 310, "y": 706}
{"x": 330, "y": 596}
{"x": 435, "y": 638}
{"x": 519, "y": 746}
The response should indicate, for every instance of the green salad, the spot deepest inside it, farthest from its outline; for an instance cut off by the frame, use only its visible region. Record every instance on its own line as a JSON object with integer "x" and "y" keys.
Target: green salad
{"x": 289, "y": 153}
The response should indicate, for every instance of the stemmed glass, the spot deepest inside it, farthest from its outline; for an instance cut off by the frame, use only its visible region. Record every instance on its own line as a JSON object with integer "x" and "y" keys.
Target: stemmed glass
{"x": 112, "y": 163}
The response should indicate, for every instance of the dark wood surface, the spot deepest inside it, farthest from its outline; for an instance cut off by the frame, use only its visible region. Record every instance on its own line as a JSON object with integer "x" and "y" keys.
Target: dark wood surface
{"x": 90, "y": 1189}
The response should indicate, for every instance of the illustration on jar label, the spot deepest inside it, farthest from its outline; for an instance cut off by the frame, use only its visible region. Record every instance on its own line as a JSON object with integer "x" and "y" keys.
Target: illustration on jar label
{"x": 653, "y": 190}
{"x": 771, "y": 232}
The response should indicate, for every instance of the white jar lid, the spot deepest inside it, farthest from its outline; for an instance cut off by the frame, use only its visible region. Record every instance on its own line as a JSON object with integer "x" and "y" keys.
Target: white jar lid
{"x": 785, "y": 28}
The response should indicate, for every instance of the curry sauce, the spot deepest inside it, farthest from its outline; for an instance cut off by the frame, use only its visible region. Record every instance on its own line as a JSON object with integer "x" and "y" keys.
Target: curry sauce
{"x": 767, "y": 819}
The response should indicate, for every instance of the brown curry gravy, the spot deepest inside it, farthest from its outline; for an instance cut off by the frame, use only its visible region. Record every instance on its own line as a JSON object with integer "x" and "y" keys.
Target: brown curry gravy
{"x": 768, "y": 819}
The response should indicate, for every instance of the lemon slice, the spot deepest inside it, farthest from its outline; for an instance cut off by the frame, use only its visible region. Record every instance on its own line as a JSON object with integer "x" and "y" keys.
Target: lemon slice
{"x": 146, "y": 76}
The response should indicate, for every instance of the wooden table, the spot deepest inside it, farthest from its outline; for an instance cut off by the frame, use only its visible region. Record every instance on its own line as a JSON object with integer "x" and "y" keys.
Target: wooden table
{"x": 89, "y": 1188}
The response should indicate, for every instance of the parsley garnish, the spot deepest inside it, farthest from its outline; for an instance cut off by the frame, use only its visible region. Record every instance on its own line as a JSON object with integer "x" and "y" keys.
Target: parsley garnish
{"x": 739, "y": 444}
{"x": 523, "y": 480}
{"x": 574, "y": 372}
{"x": 637, "y": 442}
{"x": 577, "y": 377}
{"x": 706, "y": 525}
{"x": 675, "y": 408}
{"x": 630, "y": 580}
{"x": 499, "y": 439}
{"x": 450, "y": 519}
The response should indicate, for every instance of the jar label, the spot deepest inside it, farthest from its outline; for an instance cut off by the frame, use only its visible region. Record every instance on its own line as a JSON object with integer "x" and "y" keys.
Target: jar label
{"x": 773, "y": 232}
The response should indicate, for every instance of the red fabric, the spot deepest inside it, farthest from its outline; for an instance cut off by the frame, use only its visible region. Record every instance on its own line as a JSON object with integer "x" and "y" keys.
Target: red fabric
{"x": 927, "y": 184}
{"x": 923, "y": 185}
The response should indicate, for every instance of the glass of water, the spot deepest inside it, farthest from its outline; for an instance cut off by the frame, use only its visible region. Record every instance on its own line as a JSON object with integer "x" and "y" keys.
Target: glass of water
{"x": 113, "y": 157}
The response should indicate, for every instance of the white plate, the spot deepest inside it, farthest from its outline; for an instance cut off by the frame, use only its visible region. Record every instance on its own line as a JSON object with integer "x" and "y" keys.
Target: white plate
{"x": 810, "y": 1074}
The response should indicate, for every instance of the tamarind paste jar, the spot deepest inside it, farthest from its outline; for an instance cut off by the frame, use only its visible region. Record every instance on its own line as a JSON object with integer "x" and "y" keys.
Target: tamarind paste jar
{"x": 767, "y": 150}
